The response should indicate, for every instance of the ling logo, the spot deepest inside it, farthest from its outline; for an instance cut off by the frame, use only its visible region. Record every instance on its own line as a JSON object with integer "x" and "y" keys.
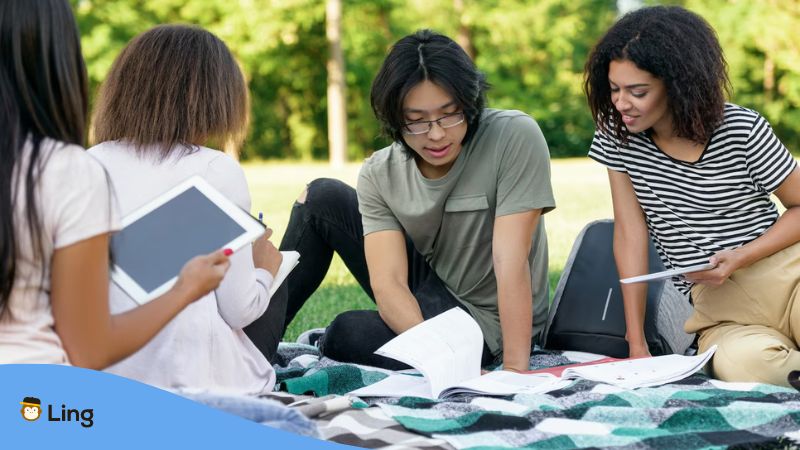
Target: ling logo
{"x": 31, "y": 408}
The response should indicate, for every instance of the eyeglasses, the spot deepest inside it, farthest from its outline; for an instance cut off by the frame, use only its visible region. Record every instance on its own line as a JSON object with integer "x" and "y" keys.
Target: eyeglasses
{"x": 424, "y": 126}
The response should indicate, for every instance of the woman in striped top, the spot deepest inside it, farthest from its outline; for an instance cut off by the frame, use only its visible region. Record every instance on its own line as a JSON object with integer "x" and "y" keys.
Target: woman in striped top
{"x": 696, "y": 173}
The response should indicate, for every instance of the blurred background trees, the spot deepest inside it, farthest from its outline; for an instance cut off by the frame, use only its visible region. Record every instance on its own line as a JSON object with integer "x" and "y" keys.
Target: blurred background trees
{"x": 531, "y": 51}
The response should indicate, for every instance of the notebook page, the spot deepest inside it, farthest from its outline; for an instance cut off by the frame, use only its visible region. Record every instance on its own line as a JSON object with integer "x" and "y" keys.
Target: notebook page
{"x": 641, "y": 372}
{"x": 446, "y": 349}
{"x": 290, "y": 260}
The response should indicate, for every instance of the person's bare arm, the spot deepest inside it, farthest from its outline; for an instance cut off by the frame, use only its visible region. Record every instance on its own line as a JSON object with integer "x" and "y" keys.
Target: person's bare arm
{"x": 511, "y": 245}
{"x": 630, "y": 253}
{"x": 388, "y": 275}
{"x": 94, "y": 338}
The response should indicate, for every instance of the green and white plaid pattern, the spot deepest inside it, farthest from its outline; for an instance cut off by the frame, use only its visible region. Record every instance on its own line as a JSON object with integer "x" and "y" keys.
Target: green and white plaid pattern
{"x": 695, "y": 413}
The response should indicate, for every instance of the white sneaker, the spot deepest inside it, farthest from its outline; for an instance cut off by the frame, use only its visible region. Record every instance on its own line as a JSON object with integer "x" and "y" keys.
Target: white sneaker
{"x": 310, "y": 337}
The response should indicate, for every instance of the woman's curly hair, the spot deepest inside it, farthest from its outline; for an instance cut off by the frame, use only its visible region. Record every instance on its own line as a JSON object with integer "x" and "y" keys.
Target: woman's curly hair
{"x": 676, "y": 46}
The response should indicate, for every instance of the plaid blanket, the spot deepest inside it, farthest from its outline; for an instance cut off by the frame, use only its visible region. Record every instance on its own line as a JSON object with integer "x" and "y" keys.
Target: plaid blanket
{"x": 367, "y": 428}
{"x": 695, "y": 413}
{"x": 301, "y": 373}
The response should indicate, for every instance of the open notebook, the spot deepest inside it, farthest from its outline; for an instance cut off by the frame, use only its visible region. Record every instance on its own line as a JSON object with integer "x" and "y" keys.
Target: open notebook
{"x": 446, "y": 350}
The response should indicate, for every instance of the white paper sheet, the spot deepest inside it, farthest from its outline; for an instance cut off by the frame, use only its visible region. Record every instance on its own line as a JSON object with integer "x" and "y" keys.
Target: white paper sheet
{"x": 446, "y": 349}
{"x": 642, "y": 372}
{"x": 290, "y": 260}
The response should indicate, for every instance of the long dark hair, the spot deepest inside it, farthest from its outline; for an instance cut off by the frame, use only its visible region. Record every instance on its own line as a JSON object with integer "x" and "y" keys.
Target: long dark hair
{"x": 427, "y": 56}
{"x": 678, "y": 47}
{"x": 43, "y": 94}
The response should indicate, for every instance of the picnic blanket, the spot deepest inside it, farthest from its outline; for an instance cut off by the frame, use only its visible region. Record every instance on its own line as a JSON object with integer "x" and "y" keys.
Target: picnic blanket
{"x": 367, "y": 428}
{"x": 694, "y": 413}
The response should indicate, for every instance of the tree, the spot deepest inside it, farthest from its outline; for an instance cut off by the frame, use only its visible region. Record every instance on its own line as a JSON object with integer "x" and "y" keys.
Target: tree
{"x": 463, "y": 37}
{"x": 760, "y": 40}
{"x": 337, "y": 113}
{"x": 532, "y": 53}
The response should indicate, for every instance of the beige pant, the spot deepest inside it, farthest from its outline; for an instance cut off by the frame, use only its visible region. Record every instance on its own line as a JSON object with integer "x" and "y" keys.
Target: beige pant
{"x": 754, "y": 319}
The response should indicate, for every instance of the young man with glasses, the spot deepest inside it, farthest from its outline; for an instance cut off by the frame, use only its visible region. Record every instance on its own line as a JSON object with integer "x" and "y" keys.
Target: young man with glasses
{"x": 449, "y": 215}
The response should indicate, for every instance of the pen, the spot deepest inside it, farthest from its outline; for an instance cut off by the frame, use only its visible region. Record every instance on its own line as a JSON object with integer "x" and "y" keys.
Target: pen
{"x": 261, "y": 217}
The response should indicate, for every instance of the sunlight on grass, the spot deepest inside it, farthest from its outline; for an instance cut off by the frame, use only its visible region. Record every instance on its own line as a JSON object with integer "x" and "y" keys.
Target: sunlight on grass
{"x": 580, "y": 186}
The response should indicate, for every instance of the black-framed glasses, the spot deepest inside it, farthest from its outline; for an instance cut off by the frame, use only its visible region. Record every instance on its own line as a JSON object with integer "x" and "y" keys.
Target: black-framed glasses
{"x": 424, "y": 126}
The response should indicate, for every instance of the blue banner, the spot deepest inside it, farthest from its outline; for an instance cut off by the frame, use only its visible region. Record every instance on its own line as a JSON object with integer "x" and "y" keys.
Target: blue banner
{"x": 50, "y": 406}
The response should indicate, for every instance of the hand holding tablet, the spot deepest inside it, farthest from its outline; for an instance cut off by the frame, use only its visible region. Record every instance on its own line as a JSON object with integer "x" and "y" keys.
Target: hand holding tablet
{"x": 202, "y": 274}
{"x": 159, "y": 238}
{"x": 667, "y": 274}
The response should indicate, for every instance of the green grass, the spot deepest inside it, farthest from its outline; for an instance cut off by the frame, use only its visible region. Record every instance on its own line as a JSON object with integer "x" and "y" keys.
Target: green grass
{"x": 580, "y": 186}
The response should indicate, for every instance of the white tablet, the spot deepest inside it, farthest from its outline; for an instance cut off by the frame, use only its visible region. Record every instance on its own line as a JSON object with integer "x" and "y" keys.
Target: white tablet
{"x": 157, "y": 239}
{"x": 667, "y": 274}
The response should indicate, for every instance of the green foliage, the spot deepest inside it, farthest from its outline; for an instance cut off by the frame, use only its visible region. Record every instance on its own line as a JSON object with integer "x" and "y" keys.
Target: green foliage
{"x": 760, "y": 40}
{"x": 532, "y": 53}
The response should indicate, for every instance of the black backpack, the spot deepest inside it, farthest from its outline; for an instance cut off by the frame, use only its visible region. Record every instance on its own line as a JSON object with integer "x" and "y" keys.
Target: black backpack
{"x": 587, "y": 311}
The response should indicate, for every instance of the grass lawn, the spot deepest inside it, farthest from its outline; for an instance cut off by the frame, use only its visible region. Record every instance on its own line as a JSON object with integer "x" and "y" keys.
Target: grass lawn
{"x": 582, "y": 195}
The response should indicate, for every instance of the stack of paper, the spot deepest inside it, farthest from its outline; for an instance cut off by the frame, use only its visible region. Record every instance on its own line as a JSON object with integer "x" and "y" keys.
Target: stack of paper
{"x": 641, "y": 372}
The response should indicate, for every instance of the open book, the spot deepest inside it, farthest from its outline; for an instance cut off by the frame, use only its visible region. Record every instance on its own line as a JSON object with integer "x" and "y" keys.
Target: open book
{"x": 446, "y": 350}
{"x": 636, "y": 372}
{"x": 290, "y": 260}
{"x": 498, "y": 383}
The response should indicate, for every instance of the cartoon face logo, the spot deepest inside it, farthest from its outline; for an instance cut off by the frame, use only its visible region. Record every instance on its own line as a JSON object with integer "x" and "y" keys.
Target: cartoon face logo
{"x": 31, "y": 408}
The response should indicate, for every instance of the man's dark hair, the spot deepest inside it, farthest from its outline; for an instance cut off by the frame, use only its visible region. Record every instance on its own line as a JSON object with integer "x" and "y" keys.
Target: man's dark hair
{"x": 426, "y": 55}
{"x": 676, "y": 46}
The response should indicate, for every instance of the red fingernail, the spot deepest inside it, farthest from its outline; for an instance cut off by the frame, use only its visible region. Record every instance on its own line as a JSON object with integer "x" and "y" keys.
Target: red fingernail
{"x": 228, "y": 252}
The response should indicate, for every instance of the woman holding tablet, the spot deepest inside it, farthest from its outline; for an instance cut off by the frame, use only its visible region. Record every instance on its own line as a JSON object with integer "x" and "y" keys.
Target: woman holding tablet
{"x": 696, "y": 173}
{"x": 447, "y": 216}
{"x": 56, "y": 210}
{"x": 172, "y": 89}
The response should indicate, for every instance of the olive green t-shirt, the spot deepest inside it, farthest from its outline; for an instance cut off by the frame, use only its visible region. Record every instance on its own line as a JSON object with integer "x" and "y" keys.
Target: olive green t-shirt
{"x": 504, "y": 169}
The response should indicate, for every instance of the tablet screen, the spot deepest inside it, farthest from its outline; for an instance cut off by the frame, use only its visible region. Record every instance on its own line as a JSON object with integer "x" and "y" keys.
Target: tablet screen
{"x": 153, "y": 249}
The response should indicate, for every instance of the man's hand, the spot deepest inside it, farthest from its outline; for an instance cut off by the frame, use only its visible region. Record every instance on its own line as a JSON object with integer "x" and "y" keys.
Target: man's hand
{"x": 638, "y": 350}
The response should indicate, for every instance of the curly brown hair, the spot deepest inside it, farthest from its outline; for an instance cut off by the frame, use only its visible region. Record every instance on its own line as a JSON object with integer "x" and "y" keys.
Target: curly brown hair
{"x": 676, "y": 46}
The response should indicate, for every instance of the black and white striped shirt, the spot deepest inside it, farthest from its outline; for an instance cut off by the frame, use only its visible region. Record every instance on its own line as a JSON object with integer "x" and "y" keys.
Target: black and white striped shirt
{"x": 721, "y": 201}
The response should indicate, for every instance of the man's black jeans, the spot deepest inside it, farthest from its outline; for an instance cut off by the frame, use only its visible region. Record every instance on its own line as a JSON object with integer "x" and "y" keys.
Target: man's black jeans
{"x": 329, "y": 221}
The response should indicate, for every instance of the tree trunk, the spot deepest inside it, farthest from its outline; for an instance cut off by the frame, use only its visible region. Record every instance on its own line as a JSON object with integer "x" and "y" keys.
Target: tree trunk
{"x": 337, "y": 111}
{"x": 463, "y": 37}
{"x": 769, "y": 78}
